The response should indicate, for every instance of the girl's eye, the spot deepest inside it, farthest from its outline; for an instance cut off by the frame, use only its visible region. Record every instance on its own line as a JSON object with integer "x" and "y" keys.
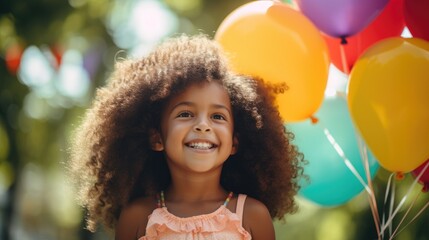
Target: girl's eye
{"x": 184, "y": 115}
{"x": 219, "y": 117}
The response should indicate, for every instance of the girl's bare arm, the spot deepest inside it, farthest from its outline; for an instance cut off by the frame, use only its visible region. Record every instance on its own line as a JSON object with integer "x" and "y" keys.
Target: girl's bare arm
{"x": 133, "y": 220}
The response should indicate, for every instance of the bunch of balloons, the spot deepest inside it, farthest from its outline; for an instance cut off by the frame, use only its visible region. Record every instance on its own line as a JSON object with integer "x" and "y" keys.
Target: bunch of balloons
{"x": 381, "y": 118}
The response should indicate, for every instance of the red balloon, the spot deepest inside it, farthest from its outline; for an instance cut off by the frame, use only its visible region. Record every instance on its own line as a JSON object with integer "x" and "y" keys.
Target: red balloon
{"x": 416, "y": 14}
{"x": 57, "y": 52}
{"x": 13, "y": 57}
{"x": 390, "y": 23}
{"x": 424, "y": 178}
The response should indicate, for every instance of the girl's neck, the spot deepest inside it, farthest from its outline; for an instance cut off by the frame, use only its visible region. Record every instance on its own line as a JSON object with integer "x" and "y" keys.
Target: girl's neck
{"x": 193, "y": 201}
{"x": 194, "y": 192}
{"x": 188, "y": 187}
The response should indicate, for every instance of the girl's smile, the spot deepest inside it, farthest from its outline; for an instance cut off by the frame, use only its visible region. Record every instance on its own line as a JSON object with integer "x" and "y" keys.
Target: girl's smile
{"x": 200, "y": 145}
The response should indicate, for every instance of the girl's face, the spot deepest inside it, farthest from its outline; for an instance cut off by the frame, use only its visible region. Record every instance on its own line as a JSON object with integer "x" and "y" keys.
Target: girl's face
{"x": 197, "y": 129}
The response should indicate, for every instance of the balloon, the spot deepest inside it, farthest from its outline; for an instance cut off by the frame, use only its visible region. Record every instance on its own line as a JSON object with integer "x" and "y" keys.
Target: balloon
{"x": 341, "y": 18}
{"x": 417, "y": 17}
{"x": 331, "y": 181}
{"x": 291, "y": 4}
{"x": 424, "y": 178}
{"x": 277, "y": 43}
{"x": 13, "y": 57}
{"x": 390, "y": 23}
{"x": 389, "y": 102}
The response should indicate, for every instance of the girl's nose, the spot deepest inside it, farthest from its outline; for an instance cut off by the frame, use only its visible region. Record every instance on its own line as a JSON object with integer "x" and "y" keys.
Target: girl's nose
{"x": 202, "y": 126}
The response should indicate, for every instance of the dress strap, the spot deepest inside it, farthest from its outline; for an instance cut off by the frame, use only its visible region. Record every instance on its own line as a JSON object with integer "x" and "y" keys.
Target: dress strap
{"x": 240, "y": 206}
{"x": 160, "y": 201}
{"x": 228, "y": 198}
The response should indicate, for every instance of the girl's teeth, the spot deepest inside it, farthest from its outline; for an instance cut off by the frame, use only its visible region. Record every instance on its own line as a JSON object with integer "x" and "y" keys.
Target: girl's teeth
{"x": 201, "y": 145}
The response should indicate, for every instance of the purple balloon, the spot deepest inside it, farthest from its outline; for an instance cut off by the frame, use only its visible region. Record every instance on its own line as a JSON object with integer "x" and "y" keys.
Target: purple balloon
{"x": 341, "y": 18}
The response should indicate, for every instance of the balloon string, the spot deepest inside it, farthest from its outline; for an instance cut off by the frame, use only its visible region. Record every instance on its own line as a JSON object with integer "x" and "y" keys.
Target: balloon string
{"x": 405, "y": 215}
{"x": 374, "y": 212}
{"x": 369, "y": 190}
{"x": 372, "y": 200}
{"x": 404, "y": 198}
{"x": 359, "y": 43}
{"x": 391, "y": 206}
{"x": 364, "y": 156}
{"x": 414, "y": 218}
{"x": 346, "y": 160}
{"x": 343, "y": 56}
{"x": 386, "y": 196}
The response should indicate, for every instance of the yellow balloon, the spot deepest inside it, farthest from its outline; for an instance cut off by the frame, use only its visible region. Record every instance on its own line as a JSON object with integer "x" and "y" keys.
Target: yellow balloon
{"x": 279, "y": 44}
{"x": 388, "y": 95}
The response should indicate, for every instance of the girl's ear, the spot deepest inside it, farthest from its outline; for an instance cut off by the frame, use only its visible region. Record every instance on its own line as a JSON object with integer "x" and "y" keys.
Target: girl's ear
{"x": 234, "y": 145}
{"x": 155, "y": 140}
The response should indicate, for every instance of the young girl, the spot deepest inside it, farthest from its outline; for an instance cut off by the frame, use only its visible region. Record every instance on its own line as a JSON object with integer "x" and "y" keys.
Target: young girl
{"x": 178, "y": 146}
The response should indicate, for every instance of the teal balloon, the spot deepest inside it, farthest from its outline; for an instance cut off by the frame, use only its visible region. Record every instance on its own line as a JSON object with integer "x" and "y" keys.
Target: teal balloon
{"x": 331, "y": 182}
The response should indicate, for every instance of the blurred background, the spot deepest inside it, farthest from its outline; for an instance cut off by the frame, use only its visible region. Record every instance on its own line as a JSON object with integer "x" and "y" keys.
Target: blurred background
{"x": 54, "y": 54}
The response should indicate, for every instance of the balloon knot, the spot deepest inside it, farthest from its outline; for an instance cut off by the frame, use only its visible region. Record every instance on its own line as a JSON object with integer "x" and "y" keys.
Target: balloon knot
{"x": 343, "y": 40}
{"x": 399, "y": 176}
{"x": 425, "y": 188}
{"x": 314, "y": 120}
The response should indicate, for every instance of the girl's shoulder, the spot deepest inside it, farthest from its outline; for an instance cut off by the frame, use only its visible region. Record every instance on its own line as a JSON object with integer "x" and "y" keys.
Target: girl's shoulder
{"x": 134, "y": 217}
{"x": 254, "y": 208}
{"x": 257, "y": 219}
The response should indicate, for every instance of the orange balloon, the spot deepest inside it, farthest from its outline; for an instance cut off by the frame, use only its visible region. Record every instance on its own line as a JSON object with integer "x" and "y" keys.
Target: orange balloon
{"x": 279, "y": 44}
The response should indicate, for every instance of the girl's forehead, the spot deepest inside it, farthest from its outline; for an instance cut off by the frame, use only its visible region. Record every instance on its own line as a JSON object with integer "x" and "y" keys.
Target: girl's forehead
{"x": 200, "y": 92}
{"x": 203, "y": 88}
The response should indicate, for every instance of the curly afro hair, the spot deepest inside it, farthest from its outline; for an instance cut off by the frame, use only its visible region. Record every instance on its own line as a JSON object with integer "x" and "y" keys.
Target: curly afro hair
{"x": 111, "y": 155}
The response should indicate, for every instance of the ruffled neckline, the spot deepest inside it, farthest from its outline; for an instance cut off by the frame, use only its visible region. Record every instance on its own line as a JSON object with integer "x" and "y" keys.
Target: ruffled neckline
{"x": 161, "y": 220}
{"x": 170, "y": 215}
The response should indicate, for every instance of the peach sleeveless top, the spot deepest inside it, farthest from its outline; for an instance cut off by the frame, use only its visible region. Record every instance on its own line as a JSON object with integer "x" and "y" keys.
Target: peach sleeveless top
{"x": 221, "y": 224}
